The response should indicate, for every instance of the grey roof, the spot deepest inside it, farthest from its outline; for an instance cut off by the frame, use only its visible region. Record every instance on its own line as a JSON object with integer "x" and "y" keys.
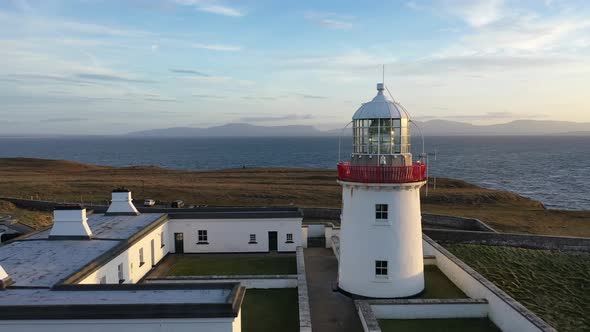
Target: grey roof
{"x": 39, "y": 262}
{"x": 110, "y": 296}
{"x": 381, "y": 107}
{"x": 113, "y": 226}
{"x": 45, "y": 262}
{"x": 123, "y": 301}
{"x": 225, "y": 212}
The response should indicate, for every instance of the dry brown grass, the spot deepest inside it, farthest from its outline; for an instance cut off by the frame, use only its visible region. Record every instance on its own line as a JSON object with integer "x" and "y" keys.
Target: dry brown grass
{"x": 35, "y": 219}
{"x": 70, "y": 181}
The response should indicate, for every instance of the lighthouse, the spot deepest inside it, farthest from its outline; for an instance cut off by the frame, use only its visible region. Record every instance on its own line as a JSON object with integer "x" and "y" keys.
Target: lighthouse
{"x": 381, "y": 232}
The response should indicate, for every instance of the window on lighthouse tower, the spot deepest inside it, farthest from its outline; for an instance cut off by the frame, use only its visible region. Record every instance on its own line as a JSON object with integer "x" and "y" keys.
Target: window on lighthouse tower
{"x": 381, "y": 212}
{"x": 381, "y": 268}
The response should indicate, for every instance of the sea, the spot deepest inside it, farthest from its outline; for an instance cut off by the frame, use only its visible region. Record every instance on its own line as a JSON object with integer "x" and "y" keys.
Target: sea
{"x": 552, "y": 169}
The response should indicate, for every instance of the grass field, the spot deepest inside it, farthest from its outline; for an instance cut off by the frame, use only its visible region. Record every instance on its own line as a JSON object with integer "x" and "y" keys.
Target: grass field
{"x": 234, "y": 264}
{"x": 554, "y": 285}
{"x": 269, "y": 310}
{"x": 70, "y": 181}
{"x": 438, "y": 325}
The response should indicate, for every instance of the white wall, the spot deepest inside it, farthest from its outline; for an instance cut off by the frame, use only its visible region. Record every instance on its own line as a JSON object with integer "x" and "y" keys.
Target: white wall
{"x": 124, "y": 325}
{"x": 251, "y": 283}
{"x": 233, "y": 235}
{"x": 304, "y": 236}
{"x": 328, "y": 233}
{"x": 363, "y": 240}
{"x": 132, "y": 270}
{"x": 504, "y": 315}
{"x": 316, "y": 230}
{"x": 430, "y": 311}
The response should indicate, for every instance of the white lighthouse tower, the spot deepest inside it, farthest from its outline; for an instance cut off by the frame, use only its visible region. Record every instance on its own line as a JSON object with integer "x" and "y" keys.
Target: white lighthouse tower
{"x": 381, "y": 233}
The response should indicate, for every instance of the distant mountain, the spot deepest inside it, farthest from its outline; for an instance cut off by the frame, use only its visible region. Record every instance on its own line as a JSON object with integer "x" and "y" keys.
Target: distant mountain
{"x": 428, "y": 128}
{"x": 232, "y": 130}
{"x": 517, "y": 127}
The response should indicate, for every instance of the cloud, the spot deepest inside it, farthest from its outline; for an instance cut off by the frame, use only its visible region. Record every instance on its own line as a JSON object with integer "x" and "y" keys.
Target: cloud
{"x": 484, "y": 116}
{"x": 64, "y": 120}
{"x": 205, "y": 96}
{"x": 110, "y": 78}
{"x": 277, "y": 118}
{"x": 189, "y": 72}
{"x": 161, "y": 100}
{"x": 210, "y": 79}
{"x": 42, "y": 24}
{"x": 354, "y": 59}
{"x": 312, "y": 96}
{"x": 330, "y": 20}
{"x": 212, "y": 6}
{"x": 477, "y": 63}
{"x": 476, "y": 13}
{"x": 216, "y": 47}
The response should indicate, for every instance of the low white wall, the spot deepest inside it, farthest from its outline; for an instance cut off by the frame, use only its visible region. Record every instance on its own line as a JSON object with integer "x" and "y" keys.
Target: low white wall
{"x": 366, "y": 316}
{"x": 302, "y": 294}
{"x": 504, "y": 311}
{"x": 430, "y": 310}
{"x": 304, "y": 236}
{"x": 133, "y": 270}
{"x": 329, "y": 232}
{"x": 251, "y": 282}
{"x": 316, "y": 230}
{"x": 124, "y": 325}
{"x": 233, "y": 235}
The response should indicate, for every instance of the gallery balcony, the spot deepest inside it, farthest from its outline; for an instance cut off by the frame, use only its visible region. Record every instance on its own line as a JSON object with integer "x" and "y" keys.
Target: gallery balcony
{"x": 382, "y": 174}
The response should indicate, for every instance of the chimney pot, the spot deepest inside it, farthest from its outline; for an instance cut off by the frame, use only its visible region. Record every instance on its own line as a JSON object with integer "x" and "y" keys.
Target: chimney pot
{"x": 70, "y": 222}
{"x": 122, "y": 203}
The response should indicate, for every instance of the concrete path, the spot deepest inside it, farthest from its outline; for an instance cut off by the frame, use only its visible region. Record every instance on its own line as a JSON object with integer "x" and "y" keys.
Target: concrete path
{"x": 330, "y": 311}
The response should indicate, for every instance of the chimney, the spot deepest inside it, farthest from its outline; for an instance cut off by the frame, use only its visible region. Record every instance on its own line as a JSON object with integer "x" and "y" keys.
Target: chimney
{"x": 70, "y": 223}
{"x": 121, "y": 204}
{"x": 5, "y": 279}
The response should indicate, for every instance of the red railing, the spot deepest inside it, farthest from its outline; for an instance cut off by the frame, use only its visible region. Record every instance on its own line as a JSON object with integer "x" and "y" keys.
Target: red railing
{"x": 382, "y": 174}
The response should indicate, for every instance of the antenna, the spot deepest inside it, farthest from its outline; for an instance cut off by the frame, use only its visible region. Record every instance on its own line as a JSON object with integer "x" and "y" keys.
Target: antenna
{"x": 383, "y": 73}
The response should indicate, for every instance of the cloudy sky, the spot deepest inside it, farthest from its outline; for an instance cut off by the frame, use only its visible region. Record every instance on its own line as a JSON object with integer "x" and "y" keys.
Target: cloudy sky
{"x": 102, "y": 67}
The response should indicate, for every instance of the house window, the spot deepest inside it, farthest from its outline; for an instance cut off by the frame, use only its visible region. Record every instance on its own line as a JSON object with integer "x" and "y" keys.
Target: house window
{"x": 103, "y": 280}
{"x": 141, "y": 260}
{"x": 289, "y": 238}
{"x": 121, "y": 274}
{"x": 252, "y": 238}
{"x": 202, "y": 237}
{"x": 381, "y": 268}
{"x": 381, "y": 211}
{"x": 162, "y": 240}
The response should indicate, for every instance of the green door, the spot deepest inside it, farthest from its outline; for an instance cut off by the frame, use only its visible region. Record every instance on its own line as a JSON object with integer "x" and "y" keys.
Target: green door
{"x": 272, "y": 241}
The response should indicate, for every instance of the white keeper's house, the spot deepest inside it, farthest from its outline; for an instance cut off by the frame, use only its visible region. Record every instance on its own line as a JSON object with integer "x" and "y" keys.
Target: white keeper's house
{"x": 83, "y": 273}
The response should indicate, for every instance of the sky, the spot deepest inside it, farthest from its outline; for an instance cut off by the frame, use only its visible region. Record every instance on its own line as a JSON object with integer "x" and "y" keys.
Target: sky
{"x": 112, "y": 67}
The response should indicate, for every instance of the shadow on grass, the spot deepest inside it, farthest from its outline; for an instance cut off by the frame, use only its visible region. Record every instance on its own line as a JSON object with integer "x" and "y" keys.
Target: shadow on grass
{"x": 270, "y": 310}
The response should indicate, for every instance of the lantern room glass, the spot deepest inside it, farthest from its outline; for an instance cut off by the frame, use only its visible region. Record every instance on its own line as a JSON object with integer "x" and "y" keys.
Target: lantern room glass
{"x": 381, "y": 136}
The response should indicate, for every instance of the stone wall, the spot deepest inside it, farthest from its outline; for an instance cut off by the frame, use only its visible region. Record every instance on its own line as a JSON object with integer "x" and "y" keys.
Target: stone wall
{"x": 32, "y": 204}
{"x": 563, "y": 243}
{"x": 452, "y": 222}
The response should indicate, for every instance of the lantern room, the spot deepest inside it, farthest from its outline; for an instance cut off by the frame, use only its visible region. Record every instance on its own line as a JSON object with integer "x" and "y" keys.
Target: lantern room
{"x": 381, "y": 133}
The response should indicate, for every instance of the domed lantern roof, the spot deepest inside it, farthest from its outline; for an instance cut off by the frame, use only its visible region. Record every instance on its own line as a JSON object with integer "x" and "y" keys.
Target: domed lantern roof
{"x": 381, "y": 107}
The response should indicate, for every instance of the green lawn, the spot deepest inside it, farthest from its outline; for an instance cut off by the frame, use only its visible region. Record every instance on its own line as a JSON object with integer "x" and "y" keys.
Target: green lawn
{"x": 438, "y": 325}
{"x": 554, "y": 285}
{"x": 438, "y": 286}
{"x": 238, "y": 264}
{"x": 270, "y": 310}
